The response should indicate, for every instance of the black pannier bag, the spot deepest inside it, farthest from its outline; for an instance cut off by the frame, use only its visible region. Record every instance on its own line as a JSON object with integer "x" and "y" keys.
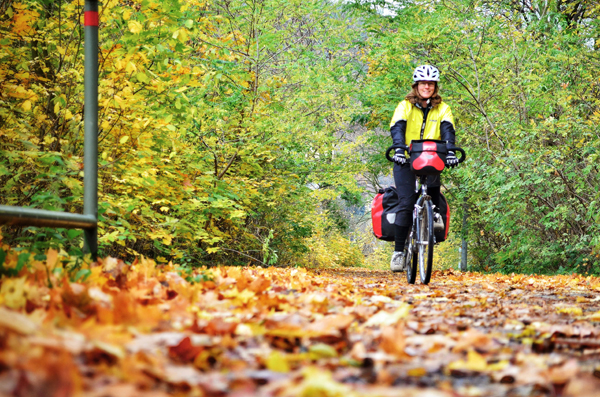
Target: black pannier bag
{"x": 427, "y": 157}
{"x": 383, "y": 213}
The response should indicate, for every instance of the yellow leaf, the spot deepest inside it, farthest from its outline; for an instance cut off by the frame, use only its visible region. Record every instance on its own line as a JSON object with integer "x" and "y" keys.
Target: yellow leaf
{"x": 26, "y": 106}
{"x": 49, "y": 139}
{"x": 13, "y": 292}
{"x": 499, "y": 366}
{"x": 384, "y": 318}
{"x": 124, "y": 139}
{"x": 111, "y": 350}
{"x": 243, "y": 297}
{"x": 475, "y": 362}
{"x": 417, "y": 372}
{"x": 68, "y": 114}
{"x": 276, "y": 362}
{"x": 127, "y": 15}
{"x": 250, "y": 330}
{"x": 130, "y": 67}
{"x": 135, "y": 27}
{"x": 322, "y": 350}
{"x": 142, "y": 78}
{"x": 51, "y": 258}
{"x": 595, "y": 316}
{"x": 576, "y": 311}
{"x": 182, "y": 35}
{"x": 319, "y": 382}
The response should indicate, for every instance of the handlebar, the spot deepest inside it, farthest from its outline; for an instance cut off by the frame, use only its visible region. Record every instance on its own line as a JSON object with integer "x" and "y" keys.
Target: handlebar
{"x": 394, "y": 147}
{"x": 462, "y": 152}
{"x": 399, "y": 146}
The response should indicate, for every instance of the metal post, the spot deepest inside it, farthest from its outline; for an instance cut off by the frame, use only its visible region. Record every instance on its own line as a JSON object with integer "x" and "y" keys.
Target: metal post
{"x": 464, "y": 235}
{"x": 19, "y": 216}
{"x": 90, "y": 154}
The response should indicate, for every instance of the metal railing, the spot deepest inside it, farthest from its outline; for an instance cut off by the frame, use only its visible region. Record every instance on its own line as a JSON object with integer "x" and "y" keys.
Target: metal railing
{"x": 88, "y": 221}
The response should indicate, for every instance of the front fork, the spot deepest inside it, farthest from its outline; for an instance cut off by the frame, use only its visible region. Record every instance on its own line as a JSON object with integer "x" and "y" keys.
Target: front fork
{"x": 420, "y": 184}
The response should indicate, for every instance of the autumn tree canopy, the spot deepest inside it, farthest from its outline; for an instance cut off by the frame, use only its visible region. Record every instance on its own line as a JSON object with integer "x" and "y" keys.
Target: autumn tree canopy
{"x": 238, "y": 132}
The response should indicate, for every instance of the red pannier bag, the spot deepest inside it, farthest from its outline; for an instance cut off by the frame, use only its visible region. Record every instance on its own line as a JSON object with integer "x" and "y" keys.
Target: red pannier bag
{"x": 427, "y": 157}
{"x": 383, "y": 213}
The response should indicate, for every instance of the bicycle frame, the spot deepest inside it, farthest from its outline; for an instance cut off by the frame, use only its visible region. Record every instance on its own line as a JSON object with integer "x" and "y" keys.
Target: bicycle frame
{"x": 421, "y": 185}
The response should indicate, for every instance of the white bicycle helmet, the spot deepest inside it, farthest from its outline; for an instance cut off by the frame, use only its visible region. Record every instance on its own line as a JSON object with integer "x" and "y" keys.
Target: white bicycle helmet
{"x": 426, "y": 73}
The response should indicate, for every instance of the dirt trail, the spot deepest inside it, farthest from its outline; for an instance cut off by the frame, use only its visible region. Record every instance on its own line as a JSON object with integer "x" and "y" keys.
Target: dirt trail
{"x": 230, "y": 331}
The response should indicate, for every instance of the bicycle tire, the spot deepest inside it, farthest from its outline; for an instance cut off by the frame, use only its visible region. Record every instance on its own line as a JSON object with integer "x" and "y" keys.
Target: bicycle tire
{"x": 410, "y": 264}
{"x": 425, "y": 242}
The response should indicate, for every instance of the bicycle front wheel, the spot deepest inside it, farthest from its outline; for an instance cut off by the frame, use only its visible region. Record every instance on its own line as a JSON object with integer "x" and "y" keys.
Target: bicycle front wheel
{"x": 425, "y": 241}
{"x": 410, "y": 257}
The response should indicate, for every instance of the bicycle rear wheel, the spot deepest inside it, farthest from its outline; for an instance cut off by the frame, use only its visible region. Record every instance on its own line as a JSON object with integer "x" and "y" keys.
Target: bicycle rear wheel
{"x": 425, "y": 241}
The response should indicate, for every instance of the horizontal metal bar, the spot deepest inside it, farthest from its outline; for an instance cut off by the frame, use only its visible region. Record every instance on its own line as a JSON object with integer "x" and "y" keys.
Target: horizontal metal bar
{"x": 19, "y": 216}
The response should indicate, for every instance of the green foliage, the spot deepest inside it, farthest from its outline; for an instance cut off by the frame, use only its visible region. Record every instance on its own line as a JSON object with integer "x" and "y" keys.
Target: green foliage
{"x": 524, "y": 91}
{"x": 234, "y": 131}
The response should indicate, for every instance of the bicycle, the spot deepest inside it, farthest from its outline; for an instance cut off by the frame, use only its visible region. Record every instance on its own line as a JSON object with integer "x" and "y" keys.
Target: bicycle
{"x": 421, "y": 238}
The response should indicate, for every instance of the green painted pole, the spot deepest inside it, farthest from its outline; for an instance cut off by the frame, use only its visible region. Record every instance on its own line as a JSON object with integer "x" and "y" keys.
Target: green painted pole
{"x": 90, "y": 122}
{"x": 19, "y": 216}
{"x": 465, "y": 235}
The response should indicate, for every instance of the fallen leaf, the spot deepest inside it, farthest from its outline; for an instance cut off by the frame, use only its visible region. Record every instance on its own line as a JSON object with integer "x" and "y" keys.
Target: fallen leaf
{"x": 385, "y": 318}
{"x": 17, "y": 322}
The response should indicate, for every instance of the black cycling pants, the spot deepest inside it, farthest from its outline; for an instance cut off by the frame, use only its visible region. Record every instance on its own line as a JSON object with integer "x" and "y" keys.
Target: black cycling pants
{"x": 405, "y": 185}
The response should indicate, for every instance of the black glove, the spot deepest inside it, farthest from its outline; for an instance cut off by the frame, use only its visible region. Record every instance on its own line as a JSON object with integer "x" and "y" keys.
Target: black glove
{"x": 399, "y": 158}
{"x": 451, "y": 160}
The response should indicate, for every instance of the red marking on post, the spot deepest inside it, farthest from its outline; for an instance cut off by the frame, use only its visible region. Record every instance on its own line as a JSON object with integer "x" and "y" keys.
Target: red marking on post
{"x": 90, "y": 18}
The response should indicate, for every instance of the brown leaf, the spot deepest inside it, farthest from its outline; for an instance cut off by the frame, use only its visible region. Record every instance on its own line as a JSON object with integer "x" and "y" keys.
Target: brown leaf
{"x": 218, "y": 326}
{"x": 259, "y": 285}
{"x": 393, "y": 340}
{"x": 331, "y": 324}
{"x": 560, "y": 375}
{"x": 185, "y": 351}
{"x": 76, "y": 295}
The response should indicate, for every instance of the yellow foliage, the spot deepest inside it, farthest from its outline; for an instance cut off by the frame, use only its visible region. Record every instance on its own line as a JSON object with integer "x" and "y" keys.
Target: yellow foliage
{"x": 331, "y": 249}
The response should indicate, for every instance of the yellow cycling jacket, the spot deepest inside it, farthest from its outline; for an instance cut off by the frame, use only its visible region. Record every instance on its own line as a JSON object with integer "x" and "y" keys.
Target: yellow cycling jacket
{"x": 407, "y": 123}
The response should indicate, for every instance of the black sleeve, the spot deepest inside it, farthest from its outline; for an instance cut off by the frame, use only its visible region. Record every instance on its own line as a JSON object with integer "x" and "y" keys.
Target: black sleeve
{"x": 398, "y": 132}
{"x": 447, "y": 132}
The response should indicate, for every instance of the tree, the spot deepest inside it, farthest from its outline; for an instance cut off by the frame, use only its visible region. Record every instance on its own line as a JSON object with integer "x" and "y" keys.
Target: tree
{"x": 526, "y": 105}
{"x": 216, "y": 120}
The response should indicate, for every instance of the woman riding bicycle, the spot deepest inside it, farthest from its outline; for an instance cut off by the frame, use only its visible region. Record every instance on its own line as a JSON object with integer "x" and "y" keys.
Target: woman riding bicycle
{"x": 421, "y": 115}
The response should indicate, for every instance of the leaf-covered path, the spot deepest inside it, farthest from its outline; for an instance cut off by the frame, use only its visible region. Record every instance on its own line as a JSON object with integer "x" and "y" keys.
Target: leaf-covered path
{"x": 145, "y": 330}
